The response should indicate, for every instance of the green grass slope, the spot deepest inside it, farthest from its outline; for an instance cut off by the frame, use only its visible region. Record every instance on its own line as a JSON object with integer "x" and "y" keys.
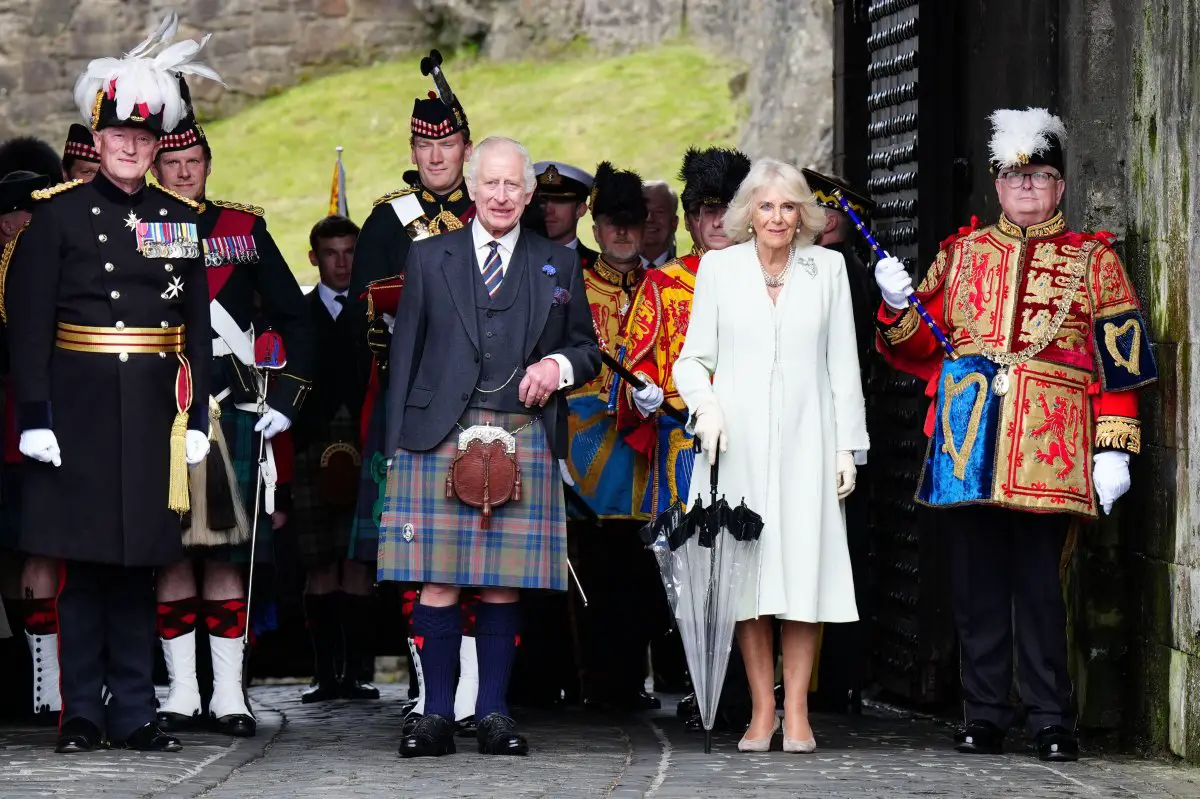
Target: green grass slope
{"x": 639, "y": 111}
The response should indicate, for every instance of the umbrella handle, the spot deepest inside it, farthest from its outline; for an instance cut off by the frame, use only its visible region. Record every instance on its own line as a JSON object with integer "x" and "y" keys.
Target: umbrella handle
{"x": 713, "y": 475}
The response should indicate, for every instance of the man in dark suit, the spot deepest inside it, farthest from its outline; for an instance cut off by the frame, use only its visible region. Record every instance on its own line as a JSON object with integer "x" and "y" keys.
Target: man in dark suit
{"x": 338, "y": 600}
{"x": 492, "y": 328}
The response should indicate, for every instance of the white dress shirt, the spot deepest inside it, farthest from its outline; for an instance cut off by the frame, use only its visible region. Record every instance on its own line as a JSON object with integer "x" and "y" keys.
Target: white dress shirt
{"x": 508, "y": 245}
{"x": 328, "y": 297}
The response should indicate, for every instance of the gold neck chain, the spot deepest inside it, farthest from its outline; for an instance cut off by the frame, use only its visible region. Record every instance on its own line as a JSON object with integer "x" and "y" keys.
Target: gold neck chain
{"x": 1000, "y": 383}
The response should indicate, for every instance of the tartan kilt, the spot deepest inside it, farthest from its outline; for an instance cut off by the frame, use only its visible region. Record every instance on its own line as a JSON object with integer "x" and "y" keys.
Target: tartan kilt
{"x": 526, "y": 543}
{"x": 364, "y": 529}
{"x": 242, "y": 441}
{"x": 321, "y": 531}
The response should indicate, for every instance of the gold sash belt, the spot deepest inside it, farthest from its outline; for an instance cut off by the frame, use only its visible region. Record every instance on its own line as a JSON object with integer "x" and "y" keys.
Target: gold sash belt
{"x": 120, "y": 340}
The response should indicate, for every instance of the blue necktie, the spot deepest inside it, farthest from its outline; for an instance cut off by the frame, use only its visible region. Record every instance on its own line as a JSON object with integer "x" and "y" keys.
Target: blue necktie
{"x": 493, "y": 269}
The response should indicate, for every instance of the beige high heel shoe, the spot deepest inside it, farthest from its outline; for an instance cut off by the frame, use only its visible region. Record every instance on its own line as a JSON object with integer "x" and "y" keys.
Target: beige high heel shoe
{"x": 795, "y": 747}
{"x": 758, "y": 744}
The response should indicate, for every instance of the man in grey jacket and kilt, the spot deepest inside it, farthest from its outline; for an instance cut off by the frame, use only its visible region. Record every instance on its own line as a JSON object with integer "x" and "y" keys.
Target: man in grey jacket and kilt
{"x": 492, "y": 329}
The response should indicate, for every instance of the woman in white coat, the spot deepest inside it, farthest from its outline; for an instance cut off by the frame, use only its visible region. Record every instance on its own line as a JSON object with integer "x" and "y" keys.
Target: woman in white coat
{"x": 769, "y": 371}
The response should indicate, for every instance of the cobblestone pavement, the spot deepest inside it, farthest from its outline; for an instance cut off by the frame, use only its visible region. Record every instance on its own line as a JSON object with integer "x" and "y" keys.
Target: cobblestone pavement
{"x": 341, "y": 749}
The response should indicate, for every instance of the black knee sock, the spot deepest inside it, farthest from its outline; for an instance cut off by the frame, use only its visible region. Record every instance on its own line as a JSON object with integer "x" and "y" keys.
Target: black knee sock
{"x": 438, "y": 633}
{"x": 358, "y": 627}
{"x": 496, "y": 628}
{"x": 321, "y": 612}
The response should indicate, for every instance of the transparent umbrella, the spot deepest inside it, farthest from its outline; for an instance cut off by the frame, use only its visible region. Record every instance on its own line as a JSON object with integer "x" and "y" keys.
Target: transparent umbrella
{"x": 705, "y": 556}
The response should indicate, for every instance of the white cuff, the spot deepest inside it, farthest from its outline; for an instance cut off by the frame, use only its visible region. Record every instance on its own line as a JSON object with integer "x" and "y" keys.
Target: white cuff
{"x": 566, "y": 372}
{"x": 860, "y": 457}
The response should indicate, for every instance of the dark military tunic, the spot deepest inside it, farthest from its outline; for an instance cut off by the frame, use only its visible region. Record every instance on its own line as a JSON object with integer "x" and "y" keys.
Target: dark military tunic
{"x": 237, "y": 269}
{"x": 382, "y": 246}
{"x": 78, "y": 262}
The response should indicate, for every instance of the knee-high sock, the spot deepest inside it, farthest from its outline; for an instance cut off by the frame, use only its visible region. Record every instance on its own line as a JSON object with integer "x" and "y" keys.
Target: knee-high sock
{"x": 226, "y": 623}
{"x": 176, "y": 622}
{"x": 438, "y": 636}
{"x": 358, "y": 617}
{"x": 321, "y": 616}
{"x": 496, "y": 629}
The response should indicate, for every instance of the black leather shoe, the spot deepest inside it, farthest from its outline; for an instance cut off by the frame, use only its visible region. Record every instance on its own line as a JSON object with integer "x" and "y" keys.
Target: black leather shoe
{"x": 1057, "y": 744}
{"x": 497, "y": 735}
{"x": 431, "y": 736}
{"x": 406, "y": 707}
{"x": 980, "y": 738}
{"x": 686, "y": 707}
{"x": 466, "y": 727}
{"x": 356, "y": 689}
{"x": 77, "y": 735}
{"x": 238, "y": 725}
{"x": 410, "y": 723}
{"x": 149, "y": 738}
{"x": 177, "y": 722}
{"x": 321, "y": 692}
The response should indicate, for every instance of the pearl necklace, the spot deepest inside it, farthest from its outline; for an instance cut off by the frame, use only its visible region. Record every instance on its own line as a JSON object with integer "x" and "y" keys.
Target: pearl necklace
{"x": 775, "y": 281}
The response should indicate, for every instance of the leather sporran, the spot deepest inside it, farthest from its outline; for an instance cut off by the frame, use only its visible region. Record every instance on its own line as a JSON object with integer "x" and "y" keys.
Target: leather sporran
{"x": 337, "y": 477}
{"x": 485, "y": 473}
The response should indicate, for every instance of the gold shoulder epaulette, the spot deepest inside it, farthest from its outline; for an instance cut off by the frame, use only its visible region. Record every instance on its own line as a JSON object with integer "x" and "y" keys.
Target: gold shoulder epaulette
{"x": 250, "y": 209}
{"x": 5, "y": 258}
{"x": 192, "y": 203}
{"x": 391, "y": 195}
{"x": 46, "y": 194}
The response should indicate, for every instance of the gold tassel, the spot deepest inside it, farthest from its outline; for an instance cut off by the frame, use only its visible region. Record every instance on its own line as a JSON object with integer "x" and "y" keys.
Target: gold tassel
{"x": 178, "y": 496}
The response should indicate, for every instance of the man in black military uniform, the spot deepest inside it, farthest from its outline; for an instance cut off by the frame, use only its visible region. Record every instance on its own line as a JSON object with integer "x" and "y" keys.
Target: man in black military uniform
{"x": 562, "y": 191}
{"x": 241, "y": 260}
{"x": 844, "y": 648}
{"x": 434, "y": 201}
{"x": 103, "y": 293}
{"x": 28, "y": 584}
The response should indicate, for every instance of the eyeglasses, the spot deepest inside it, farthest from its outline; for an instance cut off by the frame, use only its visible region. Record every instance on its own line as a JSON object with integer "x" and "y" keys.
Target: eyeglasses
{"x": 1040, "y": 180}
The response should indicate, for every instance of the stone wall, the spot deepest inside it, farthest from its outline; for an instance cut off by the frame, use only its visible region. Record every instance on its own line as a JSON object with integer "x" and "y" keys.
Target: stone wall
{"x": 1133, "y": 97}
{"x": 263, "y": 46}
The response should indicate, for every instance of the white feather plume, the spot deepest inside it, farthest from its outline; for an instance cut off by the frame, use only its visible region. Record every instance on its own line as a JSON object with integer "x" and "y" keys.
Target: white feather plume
{"x": 146, "y": 76}
{"x": 1019, "y": 135}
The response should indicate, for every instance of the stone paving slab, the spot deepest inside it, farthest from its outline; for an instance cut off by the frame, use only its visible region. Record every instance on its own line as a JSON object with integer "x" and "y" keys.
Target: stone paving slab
{"x": 348, "y": 749}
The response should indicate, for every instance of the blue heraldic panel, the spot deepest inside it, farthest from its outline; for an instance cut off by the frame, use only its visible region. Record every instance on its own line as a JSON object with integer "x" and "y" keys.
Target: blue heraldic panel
{"x": 1126, "y": 361}
{"x": 609, "y": 474}
{"x": 960, "y": 466}
{"x": 671, "y": 478}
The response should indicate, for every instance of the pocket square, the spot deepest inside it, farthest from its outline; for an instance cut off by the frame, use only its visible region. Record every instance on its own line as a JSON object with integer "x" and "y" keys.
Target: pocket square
{"x": 549, "y": 269}
{"x": 561, "y": 296}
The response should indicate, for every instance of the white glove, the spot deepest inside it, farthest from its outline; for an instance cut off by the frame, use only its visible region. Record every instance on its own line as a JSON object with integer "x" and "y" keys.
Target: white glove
{"x": 648, "y": 399}
{"x": 894, "y": 281}
{"x": 846, "y": 474}
{"x": 195, "y": 447}
{"x": 272, "y": 423}
{"x": 390, "y": 321}
{"x": 41, "y": 445}
{"x": 710, "y": 429}
{"x": 1110, "y": 473}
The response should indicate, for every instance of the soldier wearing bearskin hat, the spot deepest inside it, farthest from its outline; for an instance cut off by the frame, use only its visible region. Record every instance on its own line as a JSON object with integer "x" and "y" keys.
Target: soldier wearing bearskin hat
{"x": 28, "y": 583}
{"x": 103, "y": 290}
{"x": 242, "y": 262}
{"x": 1033, "y": 422}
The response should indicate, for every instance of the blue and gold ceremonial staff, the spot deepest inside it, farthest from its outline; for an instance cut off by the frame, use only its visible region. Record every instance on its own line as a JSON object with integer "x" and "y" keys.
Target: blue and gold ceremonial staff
{"x": 951, "y": 353}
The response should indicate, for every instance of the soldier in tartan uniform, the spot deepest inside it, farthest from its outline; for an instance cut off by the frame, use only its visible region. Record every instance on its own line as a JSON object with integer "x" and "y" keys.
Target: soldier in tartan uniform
{"x": 492, "y": 327}
{"x": 433, "y": 201}
{"x": 242, "y": 264}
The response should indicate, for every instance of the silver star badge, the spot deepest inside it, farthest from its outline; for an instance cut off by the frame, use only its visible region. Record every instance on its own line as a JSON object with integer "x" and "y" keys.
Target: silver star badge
{"x": 132, "y": 221}
{"x": 174, "y": 289}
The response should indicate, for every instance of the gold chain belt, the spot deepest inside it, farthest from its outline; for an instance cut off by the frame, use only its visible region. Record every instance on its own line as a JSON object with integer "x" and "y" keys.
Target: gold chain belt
{"x": 121, "y": 341}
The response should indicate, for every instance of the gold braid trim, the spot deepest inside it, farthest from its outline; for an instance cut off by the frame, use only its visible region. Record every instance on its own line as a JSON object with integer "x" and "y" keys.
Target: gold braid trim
{"x": 904, "y": 327}
{"x": 1119, "y": 432}
{"x": 195, "y": 206}
{"x": 391, "y": 195}
{"x": 46, "y": 194}
{"x": 5, "y": 257}
{"x": 250, "y": 209}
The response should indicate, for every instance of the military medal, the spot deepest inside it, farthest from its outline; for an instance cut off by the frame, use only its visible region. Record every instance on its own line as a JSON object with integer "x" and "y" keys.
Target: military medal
{"x": 1000, "y": 383}
{"x": 167, "y": 239}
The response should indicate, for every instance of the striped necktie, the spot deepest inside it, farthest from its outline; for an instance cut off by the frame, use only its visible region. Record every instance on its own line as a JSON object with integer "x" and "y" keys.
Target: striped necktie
{"x": 493, "y": 269}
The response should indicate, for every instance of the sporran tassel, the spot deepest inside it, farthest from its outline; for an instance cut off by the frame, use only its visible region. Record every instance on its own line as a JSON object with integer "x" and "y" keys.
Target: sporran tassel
{"x": 178, "y": 495}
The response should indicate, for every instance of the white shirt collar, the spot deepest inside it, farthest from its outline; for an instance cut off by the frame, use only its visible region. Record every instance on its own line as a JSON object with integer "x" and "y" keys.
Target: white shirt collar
{"x": 327, "y": 297}
{"x": 481, "y": 238}
{"x": 574, "y": 245}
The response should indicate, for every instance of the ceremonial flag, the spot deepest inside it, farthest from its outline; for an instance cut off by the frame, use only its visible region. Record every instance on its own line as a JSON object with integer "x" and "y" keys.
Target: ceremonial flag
{"x": 337, "y": 192}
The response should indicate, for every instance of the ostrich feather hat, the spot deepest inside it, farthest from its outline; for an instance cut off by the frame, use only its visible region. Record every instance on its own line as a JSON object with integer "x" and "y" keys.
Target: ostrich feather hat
{"x": 1023, "y": 138}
